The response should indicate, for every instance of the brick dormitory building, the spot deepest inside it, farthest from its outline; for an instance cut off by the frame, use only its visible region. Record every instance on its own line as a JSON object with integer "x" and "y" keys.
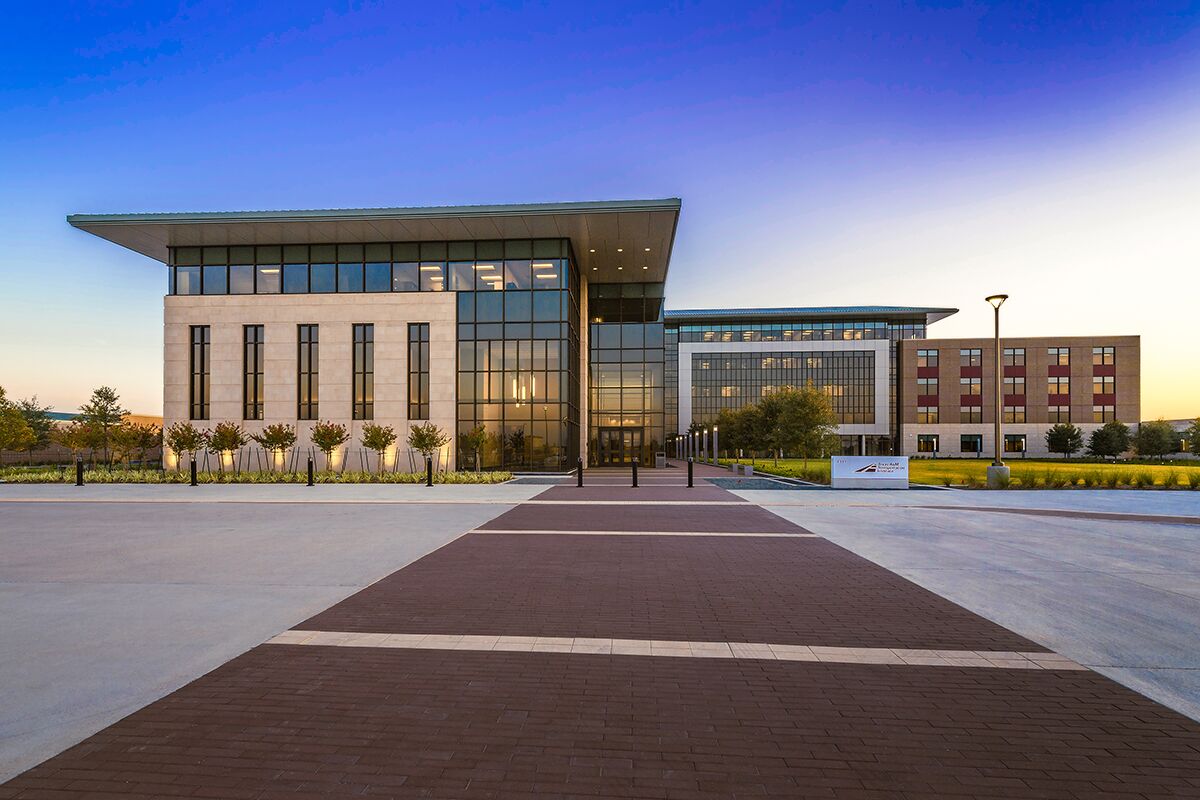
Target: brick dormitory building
{"x": 547, "y": 325}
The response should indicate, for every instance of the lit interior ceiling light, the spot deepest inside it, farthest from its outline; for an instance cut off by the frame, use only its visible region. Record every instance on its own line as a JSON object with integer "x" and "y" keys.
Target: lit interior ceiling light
{"x": 647, "y": 249}
{"x": 430, "y": 268}
{"x": 550, "y": 277}
{"x": 271, "y": 271}
{"x": 592, "y": 250}
{"x": 620, "y": 250}
{"x": 485, "y": 266}
{"x": 620, "y": 268}
{"x": 536, "y": 265}
{"x": 645, "y": 268}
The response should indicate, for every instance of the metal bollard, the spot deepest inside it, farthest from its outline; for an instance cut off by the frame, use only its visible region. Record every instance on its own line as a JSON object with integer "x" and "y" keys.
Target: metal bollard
{"x": 579, "y": 474}
{"x": 635, "y": 473}
{"x": 428, "y": 471}
{"x": 193, "y": 470}
{"x": 79, "y": 472}
{"x": 690, "y": 464}
{"x": 310, "y": 471}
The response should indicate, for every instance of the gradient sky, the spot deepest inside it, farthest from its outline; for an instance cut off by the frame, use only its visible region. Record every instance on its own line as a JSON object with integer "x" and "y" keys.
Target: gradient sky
{"x": 844, "y": 153}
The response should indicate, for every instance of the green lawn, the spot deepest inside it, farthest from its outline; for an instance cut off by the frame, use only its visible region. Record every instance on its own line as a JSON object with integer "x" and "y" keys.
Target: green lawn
{"x": 1026, "y": 473}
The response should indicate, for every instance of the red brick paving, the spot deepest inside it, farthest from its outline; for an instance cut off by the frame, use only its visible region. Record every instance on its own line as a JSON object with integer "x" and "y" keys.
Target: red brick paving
{"x": 317, "y": 722}
{"x": 779, "y": 590}
{"x": 683, "y": 518}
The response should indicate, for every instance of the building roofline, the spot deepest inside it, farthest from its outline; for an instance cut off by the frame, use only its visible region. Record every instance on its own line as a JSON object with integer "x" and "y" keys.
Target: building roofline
{"x": 931, "y": 314}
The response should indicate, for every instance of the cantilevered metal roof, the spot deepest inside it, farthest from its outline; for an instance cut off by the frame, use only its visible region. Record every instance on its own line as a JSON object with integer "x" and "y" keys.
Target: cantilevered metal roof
{"x": 615, "y": 241}
{"x": 807, "y": 312}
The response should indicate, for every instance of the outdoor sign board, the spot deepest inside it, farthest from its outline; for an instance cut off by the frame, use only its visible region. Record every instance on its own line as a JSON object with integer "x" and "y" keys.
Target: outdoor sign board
{"x": 869, "y": 472}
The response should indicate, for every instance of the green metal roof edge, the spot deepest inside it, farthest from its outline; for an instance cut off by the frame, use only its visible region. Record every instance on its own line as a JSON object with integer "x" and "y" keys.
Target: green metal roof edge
{"x": 418, "y": 212}
{"x": 801, "y": 311}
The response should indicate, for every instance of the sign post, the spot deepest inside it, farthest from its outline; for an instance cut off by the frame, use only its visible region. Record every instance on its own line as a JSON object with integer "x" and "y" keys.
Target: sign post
{"x": 869, "y": 472}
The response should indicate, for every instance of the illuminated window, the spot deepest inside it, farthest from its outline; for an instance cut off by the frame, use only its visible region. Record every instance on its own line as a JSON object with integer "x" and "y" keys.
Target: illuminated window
{"x": 927, "y": 358}
{"x": 1014, "y": 357}
{"x": 1104, "y": 356}
{"x": 927, "y": 414}
{"x": 200, "y": 344}
{"x": 252, "y": 371}
{"x": 307, "y": 371}
{"x": 364, "y": 371}
{"x": 1059, "y": 356}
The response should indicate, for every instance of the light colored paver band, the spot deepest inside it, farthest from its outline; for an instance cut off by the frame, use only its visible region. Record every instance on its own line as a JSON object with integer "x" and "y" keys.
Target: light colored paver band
{"x": 654, "y": 647}
{"x": 804, "y": 535}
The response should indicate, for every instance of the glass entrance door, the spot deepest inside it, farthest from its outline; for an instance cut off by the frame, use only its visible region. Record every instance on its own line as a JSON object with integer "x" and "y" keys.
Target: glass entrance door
{"x": 619, "y": 446}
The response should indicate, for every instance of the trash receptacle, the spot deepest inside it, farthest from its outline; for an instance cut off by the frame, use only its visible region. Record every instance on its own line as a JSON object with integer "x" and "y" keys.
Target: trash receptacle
{"x": 660, "y": 459}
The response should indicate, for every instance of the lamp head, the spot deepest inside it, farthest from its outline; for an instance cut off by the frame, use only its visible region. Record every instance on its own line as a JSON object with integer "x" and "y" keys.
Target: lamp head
{"x": 997, "y": 300}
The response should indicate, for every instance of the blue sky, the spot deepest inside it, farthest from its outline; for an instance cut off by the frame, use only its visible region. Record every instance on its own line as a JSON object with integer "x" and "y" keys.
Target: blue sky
{"x": 925, "y": 153}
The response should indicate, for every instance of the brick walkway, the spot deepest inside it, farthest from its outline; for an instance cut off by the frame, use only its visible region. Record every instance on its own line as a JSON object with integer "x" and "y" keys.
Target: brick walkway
{"x": 304, "y": 720}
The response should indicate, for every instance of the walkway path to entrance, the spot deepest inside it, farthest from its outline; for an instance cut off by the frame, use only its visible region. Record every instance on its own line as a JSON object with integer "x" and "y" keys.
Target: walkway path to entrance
{"x": 636, "y": 646}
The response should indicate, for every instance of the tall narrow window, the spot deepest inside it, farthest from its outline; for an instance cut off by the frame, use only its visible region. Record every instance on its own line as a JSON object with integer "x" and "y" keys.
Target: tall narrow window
{"x": 364, "y": 371}
{"x": 418, "y": 370}
{"x": 252, "y": 371}
{"x": 307, "y": 371}
{"x": 201, "y": 341}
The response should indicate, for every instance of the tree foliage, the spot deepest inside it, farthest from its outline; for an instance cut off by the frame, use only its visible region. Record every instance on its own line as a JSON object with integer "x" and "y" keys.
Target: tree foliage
{"x": 378, "y": 438}
{"x": 227, "y": 437}
{"x": 329, "y": 436}
{"x": 184, "y": 438}
{"x": 1193, "y": 436}
{"x": 1064, "y": 438}
{"x": 472, "y": 443}
{"x": 275, "y": 438}
{"x": 799, "y": 422}
{"x": 15, "y": 432}
{"x": 1155, "y": 438}
{"x": 427, "y": 439}
{"x": 37, "y": 417}
{"x": 103, "y": 413}
{"x": 1109, "y": 441}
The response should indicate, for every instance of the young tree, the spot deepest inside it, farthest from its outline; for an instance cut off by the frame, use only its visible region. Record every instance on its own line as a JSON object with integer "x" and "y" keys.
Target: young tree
{"x": 103, "y": 412}
{"x": 472, "y": 443}
{"x": 378, "y": 438}
{"x": 145, "y": 438}
{"x": 1109, "y": 441}
{"x": 38, "y": 418}
{"x": 123, "y": 440}
{"x": 1193, "y": 436}
{"x": 1064, "y": 438}
{"x": 805, "y": 423}
{"x": 329, "y": 436}
{"x": 277, "y": 438}
{"x": 226, "y": 437}
{"x": 185, "y": 438}
{"x": 76, "y": 436}
{"x": 1155, "y": 438}
{"x": 515, "y": 442}
{"x": 15, "y": 432}
{"x": 427, "y": 439}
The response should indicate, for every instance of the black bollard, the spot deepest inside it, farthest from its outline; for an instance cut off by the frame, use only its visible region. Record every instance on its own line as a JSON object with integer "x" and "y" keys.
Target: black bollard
{"x": 579, "y": 474}
{"x": 310, "y": 471}
{"x": 193, "y": 470}
{"x": 428, "y": 471}
{"x": 79, "y": 472}
{"x": 689, "y": 472}
{"x": 635, "y": 473}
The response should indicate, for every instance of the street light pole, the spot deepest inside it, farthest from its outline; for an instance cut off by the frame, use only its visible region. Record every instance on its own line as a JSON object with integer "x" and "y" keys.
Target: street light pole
{"x": 716, "y": 450}
{"x": 997, "y": 473}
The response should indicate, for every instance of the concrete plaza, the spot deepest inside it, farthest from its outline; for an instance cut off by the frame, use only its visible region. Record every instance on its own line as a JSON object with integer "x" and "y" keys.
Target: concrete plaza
{"x": 652, "y": 642}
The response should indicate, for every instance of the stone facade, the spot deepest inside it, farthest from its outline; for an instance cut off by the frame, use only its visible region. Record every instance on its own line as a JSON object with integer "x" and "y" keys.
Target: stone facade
{"x": 336, "y": 314}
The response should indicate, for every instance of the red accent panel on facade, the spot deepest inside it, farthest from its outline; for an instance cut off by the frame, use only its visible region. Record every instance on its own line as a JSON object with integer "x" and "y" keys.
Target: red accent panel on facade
{"x": 927, "y": 399}
{"x": 1015, "y": 371}
{"x": 1058, "y": 400}
{"x": 970, "y": 372}
{"x": 1104, "y": 399}
{"x": 1104, "y": 369}
{"x": 970, "y": 400}
{"x": 927, "y": 372}
{"x": 1014, "y": 399}
{"x": 1059, "y": 370}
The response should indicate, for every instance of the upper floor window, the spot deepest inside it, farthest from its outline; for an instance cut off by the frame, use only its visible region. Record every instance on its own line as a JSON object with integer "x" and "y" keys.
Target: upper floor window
{"x": 1103, "y": 356}
{"x": 970, "y": 413}
{"x": 970, "y": 385}
{"x": 1059, "y": 413}
{"x": 200, "y": 343}
{"x": 418, "y": 370}
{"x": 970, "y": 358}
{"x": 1014, "y": 384}
{"x": 1058, "y": 356}
{"x": 1014, "y": 413}
{"x": 1104, "y": 384}
{"x": 1014, "y": 357}
{"x": 927, "y": 414}
{"x": 1104, "y": 413}
{"x": 927, "y": 358}
{"x": 1058, "y": 384}
{"x": 364, "y": 371}
{"x": 927, "y": 385}
{"x": 252, "y": 371}
{"x": 307, "y": 371}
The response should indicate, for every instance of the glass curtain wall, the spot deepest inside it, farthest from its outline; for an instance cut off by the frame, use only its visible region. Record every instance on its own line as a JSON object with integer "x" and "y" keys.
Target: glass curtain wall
{"x": 627, "y": 370}
{"x": 518, "y": 351}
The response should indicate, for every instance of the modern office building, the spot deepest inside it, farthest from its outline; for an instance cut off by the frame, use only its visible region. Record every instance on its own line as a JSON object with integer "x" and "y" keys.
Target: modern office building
{"x": 947, "y": 391}
{"x": 544, "y": 324}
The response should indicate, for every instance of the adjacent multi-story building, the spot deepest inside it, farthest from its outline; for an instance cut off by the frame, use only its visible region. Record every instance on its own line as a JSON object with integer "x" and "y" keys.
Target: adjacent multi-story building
{"x": 947, "y": 391}
{"x": 546, "y": 326}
